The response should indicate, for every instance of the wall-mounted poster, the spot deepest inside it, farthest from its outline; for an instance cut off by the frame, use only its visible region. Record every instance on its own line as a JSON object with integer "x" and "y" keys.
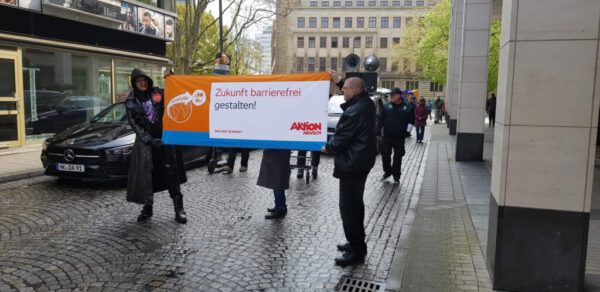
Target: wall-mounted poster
{"x": 9, "y": 2}
{"x": 31, "y": 4}
{"x": 169, "y": 28}
{"x": 150, "y": 22}
{"x": 128, "y": 16}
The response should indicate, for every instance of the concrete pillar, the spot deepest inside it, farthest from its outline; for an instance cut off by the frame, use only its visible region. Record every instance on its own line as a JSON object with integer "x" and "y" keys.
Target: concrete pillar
{"x": 544, "y": 145}
{"x": 454, "y": 68}
{"x": 472, "y": 87}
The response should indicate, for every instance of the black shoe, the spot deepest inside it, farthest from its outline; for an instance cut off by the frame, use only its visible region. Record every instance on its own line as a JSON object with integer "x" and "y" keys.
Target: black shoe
{"x": 180, "y": 215}
{"x": 276, "y": 214}
{"x": 385, "y": 176}
{"x": 396, "y": 181}
{"x": 271, "y": 210}
{"x": 315, "y": 173}
{"x": 300, "y": 174}
{"x": 146, "y": 213}
{"x": 350, "y": 258}
{"x": 344, "y": 247}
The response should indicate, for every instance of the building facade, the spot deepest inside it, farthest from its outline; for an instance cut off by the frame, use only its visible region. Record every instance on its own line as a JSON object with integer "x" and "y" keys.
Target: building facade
{"x": 264, "y": 39}
{"x": 311, "y": 36}
{"x": 63, "y": 61}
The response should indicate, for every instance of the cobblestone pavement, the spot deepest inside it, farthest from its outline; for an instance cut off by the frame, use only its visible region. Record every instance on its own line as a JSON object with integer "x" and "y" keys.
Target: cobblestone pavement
{"x": 68, "y": 237}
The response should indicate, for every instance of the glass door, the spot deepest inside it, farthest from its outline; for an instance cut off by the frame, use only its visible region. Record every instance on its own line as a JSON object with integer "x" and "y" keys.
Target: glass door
{"x": 10, "y": 98}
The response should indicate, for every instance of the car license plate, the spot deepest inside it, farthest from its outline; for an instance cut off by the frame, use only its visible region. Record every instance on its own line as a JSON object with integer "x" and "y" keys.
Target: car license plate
{"x": 70, "y": 167}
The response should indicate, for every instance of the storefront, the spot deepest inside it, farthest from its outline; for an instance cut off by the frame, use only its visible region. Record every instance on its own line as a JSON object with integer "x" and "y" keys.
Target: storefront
{"x": 56, "y": 72}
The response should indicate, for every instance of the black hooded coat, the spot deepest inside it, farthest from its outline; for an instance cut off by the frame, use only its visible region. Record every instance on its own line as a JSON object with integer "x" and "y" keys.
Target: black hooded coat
{"x": 151, "y": 169}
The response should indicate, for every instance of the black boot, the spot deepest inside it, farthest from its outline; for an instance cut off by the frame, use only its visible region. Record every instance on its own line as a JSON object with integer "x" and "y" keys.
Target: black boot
{"x": 146, "y": 213}
{"x": 180, "y": 215}
{"x": 315, "y": 173}
{"x": 278, "y": 213}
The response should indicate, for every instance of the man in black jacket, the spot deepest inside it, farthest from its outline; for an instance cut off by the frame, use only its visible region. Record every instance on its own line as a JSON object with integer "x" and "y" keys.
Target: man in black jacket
{"x": 354, "y": 147}
{"x": 391, "y": 129}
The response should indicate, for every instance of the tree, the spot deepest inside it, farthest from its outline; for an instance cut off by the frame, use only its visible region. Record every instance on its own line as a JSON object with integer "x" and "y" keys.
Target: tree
{"x": 494, "y": 56}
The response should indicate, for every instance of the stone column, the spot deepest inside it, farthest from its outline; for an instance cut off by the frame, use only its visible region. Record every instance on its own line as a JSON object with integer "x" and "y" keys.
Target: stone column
{"x": 472, "y": 87}
{"x": 455, "y": 48}
{"x": 544, "y": 145}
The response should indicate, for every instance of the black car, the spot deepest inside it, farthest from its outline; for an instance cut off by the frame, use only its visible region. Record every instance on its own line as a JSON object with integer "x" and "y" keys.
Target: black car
{"x": 71, "y": 111}
{"x": 100, "y": 148}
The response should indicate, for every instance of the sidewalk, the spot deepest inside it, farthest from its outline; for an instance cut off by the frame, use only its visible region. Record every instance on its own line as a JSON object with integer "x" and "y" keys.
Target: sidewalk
{"x": 20, "y": 163}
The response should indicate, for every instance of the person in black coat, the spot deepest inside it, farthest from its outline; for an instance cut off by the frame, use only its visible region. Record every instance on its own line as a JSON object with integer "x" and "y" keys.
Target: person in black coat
{"x": 490, "y": 108}
{"x": 275, "y": 174}
{"x": 391, "y": 130}
{"x": 354, "y": 148}
{"x": 153, "y": 166}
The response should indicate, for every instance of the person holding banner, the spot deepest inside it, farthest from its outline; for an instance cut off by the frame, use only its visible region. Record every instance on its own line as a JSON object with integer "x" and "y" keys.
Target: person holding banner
{"x": 153, "y": 166}
{"x": 392, "y": 123}
{"x": 354, "y": 148}
{"x": 275, "y": 174}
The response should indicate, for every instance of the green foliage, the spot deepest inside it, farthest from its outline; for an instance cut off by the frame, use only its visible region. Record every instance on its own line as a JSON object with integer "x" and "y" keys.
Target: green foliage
{"x": 493, "y": 59}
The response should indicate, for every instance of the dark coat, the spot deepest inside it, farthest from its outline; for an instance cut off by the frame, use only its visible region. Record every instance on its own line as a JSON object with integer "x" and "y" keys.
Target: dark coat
{"x": 421, "y": 112}
{"x": 354, "y": 142}
{"x": 151, "y": 169}
{"x": 393, "y": 120}
{"x": 490, "y": 106}
{"x": 275, "y": 169}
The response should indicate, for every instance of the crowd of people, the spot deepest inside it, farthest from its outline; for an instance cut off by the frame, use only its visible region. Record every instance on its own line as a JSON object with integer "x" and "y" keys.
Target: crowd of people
{"x": 156, "y": 167}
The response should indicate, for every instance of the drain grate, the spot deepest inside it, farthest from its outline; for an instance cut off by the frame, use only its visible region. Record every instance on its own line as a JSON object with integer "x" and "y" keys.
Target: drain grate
{"x": 349, "y": 284}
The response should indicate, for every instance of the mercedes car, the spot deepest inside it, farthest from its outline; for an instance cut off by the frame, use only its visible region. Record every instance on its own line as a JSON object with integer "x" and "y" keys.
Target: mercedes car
{"x": 100, "y": 148}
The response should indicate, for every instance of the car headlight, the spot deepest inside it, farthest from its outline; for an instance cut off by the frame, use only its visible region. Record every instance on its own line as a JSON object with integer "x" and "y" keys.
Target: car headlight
{"x": 119, "y": 150}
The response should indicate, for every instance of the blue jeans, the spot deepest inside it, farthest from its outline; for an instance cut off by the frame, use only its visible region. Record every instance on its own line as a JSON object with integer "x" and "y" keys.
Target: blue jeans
{"x": 280, "y": 200}
{"x": 420, "y": 133}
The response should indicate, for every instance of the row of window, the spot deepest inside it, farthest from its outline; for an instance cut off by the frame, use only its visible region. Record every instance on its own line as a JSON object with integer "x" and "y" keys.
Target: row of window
{"x": 334, "y": 64}
{"x": 356, "y": 42}
{"x": 410, "y": 85}
{"x": 361, "y": 3}
{"x": 348, "y": 22}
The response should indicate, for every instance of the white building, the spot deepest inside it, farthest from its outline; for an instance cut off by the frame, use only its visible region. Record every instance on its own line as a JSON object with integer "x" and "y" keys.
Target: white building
{"x": 264, "y": 39}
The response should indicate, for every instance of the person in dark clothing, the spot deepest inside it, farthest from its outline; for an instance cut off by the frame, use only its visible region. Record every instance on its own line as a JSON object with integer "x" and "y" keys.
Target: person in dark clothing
{"x": 315, "y": 158}
{"x": 275, "y": 174}
{"x": 231, "y": 159}
{"x": 391, "y": 129}
{"x": 421, "y": 113}
{"x": 490, "y": 108}
{"x": 153, "y": 167}
{"x": 438, "y": 108}
{"x": 354, "y": 148}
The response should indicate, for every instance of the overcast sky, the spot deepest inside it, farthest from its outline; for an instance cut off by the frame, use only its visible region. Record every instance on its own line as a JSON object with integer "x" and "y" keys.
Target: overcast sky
{"x": 213, "y": 7}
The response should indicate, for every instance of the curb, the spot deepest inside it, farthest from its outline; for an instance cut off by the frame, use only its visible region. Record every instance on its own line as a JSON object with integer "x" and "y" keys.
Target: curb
{"x": 21, "y": 175}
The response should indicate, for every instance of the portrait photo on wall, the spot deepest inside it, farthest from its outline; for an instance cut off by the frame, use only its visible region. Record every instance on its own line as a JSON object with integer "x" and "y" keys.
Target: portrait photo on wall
{"x": 150, "y": 22}
{"x": 128, "y": 16}
{"x": 169, "y": 28}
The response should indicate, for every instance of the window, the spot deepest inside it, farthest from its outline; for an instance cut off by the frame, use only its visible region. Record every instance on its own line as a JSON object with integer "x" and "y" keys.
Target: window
{"x": 334, "y": 63}
{"x": 387, "y": 84}
{"x": 337, "y": 3}
{"x": 360, "y": 3}
{"x": 311, "y": 64}
{"x": 325, "y": 4}
{"x": 311, "y": 42}
{"x": 434, "y": 86}
{"x": 383, "y": 43}
{"x": 322, "y": 42}
{"x": 372, "y": 3}
{"x": 385, "y": 22}
{"x": 300, "y": 42}
{"x": 300, "y": 22}
{"x": 360, "y": 22}
{"x": 420, "y": 3}
{"x": 368, "y": 42}
{"x": 334, "y": 42}
{"x": 396, "y": 41}
{"x": 336, "y": 22}
{"x": 312, "y": 22}
{"x": 397, "y": 22}
{"x": 324, "y": 22}
{"x": 410, "y": 85}
{"x": 396, "y": 3}
{"x": 322, "y": 64}
{"x": 348, "y": 3}
{"x": 382, "y": 64}
{"x": 357, "y": 42}
{"x": 407, "y": 3}
{"x": 346, "y": 42}
{"x": 348, "y": 22}
{"x": 372, "y": 22}
{"x": 384, "y": 3}
{"x": 314, "y": 3}
{"x": 299, "y": 64}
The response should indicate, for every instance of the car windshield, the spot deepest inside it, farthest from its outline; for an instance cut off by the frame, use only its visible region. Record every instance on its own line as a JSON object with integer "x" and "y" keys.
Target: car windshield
{"x": 114, "y": 114}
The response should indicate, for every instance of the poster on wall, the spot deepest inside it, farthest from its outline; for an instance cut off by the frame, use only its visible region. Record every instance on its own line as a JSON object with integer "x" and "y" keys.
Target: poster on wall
{"x": 129, "y": 16}
{"x": 169, "y": 28}
{"x": 247, "y": 111}
{"x": 150, "y": 22}
{"x": 106, "y": 8}
{"x": 31, "y": 4}
{"x": 9, "y": 2}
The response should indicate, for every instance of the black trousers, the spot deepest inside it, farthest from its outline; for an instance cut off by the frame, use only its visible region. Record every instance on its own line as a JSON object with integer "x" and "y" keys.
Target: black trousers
{"x": 233, "y": 152}
{"x": 352, "y": 210}
{"x": 315, "y": 157}
{"x": 394, "y": 166}
{"x": 492, "y": 118}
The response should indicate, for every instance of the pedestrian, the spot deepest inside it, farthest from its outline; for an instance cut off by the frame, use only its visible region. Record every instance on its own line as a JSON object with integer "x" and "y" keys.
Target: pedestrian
{"x": 421, "y": 113}
{"x": 354, "y": 148}
{"x": 231, "y": 159}
{"x": 411, "y": 100}
{"x": 429, "y": 108}
{"x": 490, "y": 108}
{"x": 153, "y": 166}
{"x": 438, "y": 107}
{"x": 315, "y": 158}
{"x": 275, "y": 174}
{"x": 391, "y": 130}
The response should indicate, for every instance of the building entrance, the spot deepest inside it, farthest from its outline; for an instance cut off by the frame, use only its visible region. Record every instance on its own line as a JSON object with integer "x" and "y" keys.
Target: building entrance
{"x": 11, "y": 96}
